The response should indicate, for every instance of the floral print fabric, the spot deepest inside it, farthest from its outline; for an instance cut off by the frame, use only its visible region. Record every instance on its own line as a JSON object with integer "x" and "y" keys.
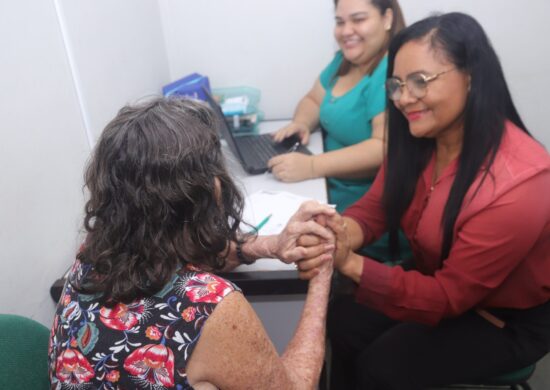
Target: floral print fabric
{"x": 141, "y": 345}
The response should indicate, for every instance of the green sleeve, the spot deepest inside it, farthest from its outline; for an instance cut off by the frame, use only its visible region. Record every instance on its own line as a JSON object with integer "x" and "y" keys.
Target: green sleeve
{"x": 327, "y": 75}
{"x": 376, "y": 92}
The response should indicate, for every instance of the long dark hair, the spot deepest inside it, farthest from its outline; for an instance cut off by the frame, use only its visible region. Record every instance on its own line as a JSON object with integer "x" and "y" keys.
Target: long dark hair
{"x": 398, "y": 24}
{"x": 154, "y": 203}
{"x": 489, "y": 104}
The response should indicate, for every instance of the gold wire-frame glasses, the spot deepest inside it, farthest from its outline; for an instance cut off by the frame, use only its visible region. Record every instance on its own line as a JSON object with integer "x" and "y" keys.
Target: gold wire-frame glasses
{"x": 416, "y": 83}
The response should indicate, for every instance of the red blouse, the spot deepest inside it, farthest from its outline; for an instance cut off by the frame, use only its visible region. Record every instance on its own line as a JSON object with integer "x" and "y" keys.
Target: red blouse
{"x": 500, "y": 256}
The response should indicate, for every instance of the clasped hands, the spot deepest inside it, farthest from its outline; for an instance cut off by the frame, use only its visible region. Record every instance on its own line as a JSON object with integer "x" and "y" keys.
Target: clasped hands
{"x": 315, "y": 239}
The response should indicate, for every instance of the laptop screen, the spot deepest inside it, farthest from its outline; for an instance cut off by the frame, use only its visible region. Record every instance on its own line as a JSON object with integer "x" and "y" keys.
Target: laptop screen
{"x": 223, "y": 128}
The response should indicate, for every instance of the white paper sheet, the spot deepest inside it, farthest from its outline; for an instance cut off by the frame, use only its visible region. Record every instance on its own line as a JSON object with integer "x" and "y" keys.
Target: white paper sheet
{"x": 280, "y": 204}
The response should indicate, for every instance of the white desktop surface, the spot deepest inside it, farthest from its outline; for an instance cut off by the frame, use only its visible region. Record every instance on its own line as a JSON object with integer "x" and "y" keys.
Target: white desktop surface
{"x": 249, "y": 184}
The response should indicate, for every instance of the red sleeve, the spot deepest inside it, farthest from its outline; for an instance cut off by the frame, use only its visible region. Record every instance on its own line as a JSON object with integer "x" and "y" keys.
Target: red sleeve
{"x": 486, "y": 250}
{"x": 368, "y": 211}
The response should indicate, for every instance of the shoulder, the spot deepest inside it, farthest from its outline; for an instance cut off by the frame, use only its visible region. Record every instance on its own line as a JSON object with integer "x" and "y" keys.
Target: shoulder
{"x": 521, "y": 166}
{"x": 235, "y": 329}
{"x": 373, "y": 89}
{"x": 520, "y": 156}
{"x": 379, "y": 73}
{"x": 331, "y": 69}
{"x": 202, "y": 287}
{"x": 376, "y": 80}
{"x": 336, "y": 60}
{"x": 374, "y": 84}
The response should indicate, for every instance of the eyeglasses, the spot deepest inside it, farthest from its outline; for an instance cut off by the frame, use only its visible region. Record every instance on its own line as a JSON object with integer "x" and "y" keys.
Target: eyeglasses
{"x": 417, "y": 84}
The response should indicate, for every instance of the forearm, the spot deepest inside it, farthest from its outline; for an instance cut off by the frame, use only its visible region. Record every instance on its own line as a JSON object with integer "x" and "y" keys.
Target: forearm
{"x": 356, "y": 161}
{"x": 355, "y": 234}
{"x": 256, "y": 247}
{"x": 303, "y": 357}
{"x": 352, "y": 267}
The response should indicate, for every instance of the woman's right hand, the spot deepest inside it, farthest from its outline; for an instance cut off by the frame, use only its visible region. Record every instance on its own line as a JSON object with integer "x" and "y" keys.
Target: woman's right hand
{"x": 309, "y": 267}
{"x": 285, "y": 247}
{"x": 293, "y": 128}
{"x": 326, "y": 266}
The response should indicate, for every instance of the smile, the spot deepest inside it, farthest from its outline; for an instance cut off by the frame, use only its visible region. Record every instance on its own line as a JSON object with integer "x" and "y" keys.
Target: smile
{"x": 415, "y": 115}
{"x": 351, "y": 42}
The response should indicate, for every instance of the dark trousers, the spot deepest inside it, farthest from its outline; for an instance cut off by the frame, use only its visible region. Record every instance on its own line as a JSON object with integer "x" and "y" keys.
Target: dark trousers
{"x": 373, "y": 352}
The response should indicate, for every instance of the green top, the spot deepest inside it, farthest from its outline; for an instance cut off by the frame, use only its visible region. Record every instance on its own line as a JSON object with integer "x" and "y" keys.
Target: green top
{"x": 347, "y": 120}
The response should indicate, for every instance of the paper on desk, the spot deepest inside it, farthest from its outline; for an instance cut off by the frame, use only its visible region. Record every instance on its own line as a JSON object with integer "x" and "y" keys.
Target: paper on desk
{"x": 280, "y": 204}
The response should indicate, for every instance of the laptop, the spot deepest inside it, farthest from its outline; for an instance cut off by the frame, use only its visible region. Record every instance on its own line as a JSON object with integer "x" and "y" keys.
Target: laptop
{"x": 253, "y": 150}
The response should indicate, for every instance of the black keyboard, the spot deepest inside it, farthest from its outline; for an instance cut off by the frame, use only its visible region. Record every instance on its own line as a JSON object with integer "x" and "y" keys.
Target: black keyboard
{"x": 258, "y": 148}
{"x": 255, "y": 151}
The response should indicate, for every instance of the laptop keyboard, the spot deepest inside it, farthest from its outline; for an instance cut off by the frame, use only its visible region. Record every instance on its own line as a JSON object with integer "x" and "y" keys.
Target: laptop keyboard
{"x": 261, "y": 148}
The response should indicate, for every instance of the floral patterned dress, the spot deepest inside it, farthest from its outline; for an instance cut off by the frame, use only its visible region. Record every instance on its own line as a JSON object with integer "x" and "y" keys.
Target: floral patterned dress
{"x": 141, "y": 345}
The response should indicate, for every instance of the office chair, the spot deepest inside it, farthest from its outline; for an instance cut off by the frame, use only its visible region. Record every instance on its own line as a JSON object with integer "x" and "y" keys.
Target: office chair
{"x": 515, "y": 380}
{"x": 23, "y": 353}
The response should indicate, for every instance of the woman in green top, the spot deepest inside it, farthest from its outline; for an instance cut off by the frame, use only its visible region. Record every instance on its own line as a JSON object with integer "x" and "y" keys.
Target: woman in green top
{"x": 348, "y": 101}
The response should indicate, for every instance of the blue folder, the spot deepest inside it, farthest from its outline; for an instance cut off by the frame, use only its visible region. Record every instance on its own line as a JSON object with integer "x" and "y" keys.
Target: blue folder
{"x": 191, "y": 86}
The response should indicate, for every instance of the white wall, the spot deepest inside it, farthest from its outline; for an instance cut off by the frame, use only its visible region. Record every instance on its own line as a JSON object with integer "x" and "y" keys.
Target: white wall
{"x": 280, "y": 46}
{"x": 42, "y": 151}
{"x": 118, "y": 53}
{"x": 66, "y": 69}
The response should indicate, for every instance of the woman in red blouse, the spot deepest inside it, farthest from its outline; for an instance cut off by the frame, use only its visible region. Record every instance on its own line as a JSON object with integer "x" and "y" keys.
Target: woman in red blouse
{"x": 469, "y": 187}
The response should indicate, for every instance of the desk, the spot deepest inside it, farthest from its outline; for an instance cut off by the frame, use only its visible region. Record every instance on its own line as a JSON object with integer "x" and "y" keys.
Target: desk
{"x": 271, "y": 276}
{"x": 266, "y": 276}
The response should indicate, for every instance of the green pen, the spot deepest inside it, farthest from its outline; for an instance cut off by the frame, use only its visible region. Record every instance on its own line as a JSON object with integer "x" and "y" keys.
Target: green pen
{"x": 262, "y": 223}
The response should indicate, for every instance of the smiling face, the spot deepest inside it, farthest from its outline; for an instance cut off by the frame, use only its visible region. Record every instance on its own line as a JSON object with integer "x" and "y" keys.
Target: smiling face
{"x": 361, "y": 30}
{"x": 440, "y": 112}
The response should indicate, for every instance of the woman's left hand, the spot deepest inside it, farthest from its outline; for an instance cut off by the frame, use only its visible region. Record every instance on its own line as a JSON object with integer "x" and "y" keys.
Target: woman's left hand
{"x": 343, "y": 250}
{"x": 292, "y": 167}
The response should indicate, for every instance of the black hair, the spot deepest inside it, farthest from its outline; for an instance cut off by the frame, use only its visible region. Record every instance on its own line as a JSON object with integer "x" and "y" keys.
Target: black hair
{"x": 159, "y": 197}
{"x": 489, "y": 104}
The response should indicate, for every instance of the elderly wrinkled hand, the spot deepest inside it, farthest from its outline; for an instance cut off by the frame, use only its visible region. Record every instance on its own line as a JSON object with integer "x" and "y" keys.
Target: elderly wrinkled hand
{"x": 306, "y": 222}
{"x": 309, "y": 267}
